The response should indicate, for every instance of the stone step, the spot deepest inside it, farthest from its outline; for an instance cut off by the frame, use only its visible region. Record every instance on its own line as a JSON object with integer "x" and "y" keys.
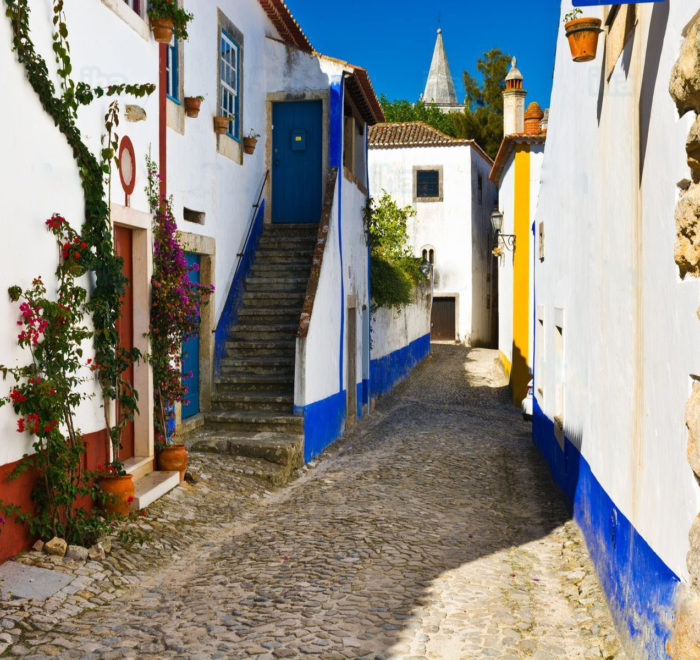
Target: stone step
{"x": 281, "y": 366}
{"x": 153, "y": 486}
{"x": 265, "y": 270}
{"x": 286, "y": 314}
{"x": 300, "y": 228}
{"x": 290, "y": 241}
{"x": 255, "y": 421}
{"x": 277, "y": 284}
{"x": 282, "y": 384}
{"x": 278, "y": 448}
{"x": 272, "y": 474}
{"x": 274, "y": 401}
{"x": 268, "y": 298}
{"x": 273, "y": 333}
{"x": 242, "y": 347}
{"x": 297, "y": 257}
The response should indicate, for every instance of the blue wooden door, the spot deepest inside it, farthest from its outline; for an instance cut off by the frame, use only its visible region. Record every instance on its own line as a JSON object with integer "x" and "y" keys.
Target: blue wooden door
{"x": 297, "y": 146}
{"x": 190, "y": 356}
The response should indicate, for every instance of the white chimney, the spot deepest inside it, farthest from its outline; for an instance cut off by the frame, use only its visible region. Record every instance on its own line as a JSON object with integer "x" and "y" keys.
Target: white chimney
{"x": 514, "y": 102}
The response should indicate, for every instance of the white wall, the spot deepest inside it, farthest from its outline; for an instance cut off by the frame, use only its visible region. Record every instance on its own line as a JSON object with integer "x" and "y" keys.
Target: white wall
{"x": 506, "y": 205}
{"x": 449, "y": 226}
{"x": 41, "y": 176}
{"x": 631, "y": 335}
{"x": 392, "y": 329}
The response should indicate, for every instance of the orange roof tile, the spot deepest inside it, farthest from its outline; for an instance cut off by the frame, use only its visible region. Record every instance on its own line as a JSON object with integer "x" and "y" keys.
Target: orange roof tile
{"x": 508, "y": 146}
{"x": 278, "y": 12}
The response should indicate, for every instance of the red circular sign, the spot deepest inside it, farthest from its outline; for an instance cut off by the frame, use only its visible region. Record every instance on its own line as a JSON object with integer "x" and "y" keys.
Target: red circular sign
{"x": 127, "y": 165}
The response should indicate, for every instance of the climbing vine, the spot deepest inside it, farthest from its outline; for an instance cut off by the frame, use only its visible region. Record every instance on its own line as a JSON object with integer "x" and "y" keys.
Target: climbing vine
{"x": 104, "y": 303}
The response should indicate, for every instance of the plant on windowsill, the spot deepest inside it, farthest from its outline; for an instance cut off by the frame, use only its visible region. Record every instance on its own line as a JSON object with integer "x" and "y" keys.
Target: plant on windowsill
{"x": 175, "y": 312}
{"x": 221, "y": 123}
{"x": 582, "y": 33}
{"x": 168, "y": 19}
{"x": 249, "y": 141}
{"x": 193, "y": 105}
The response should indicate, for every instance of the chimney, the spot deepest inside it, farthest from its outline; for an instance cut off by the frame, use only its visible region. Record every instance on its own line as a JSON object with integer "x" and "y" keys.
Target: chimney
{"x": 533, "y": 119}
{"x": 514, "y": 102}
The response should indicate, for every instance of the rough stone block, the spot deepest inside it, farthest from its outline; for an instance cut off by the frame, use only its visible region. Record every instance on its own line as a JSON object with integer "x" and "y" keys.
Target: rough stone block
{"x": 692, "y": 420}
{"x": 685, "y": 78}
{"x": 693, "y": 556}
{"x": 692, "y": 146}
{"x": 56, "y": 547}
{"x": 684, "y": 643}
{"x": 687, "y": 247}
{"x": 77, "y": 553}
{"x": 134, "y": 113}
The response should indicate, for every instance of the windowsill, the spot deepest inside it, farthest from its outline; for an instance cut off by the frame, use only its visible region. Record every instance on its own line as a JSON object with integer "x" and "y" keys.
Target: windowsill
{"x": 353, "y": 179}
{"x": 426, "y": 199}
{"x": 175, "y": 115}
{"x": 130, "y": 17}
{"x": 230, "y": 148}
{"x": 173, "y": 99}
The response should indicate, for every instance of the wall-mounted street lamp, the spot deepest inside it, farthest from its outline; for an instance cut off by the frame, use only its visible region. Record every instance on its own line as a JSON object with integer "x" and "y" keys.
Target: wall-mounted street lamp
{"x": 497, "y": 224}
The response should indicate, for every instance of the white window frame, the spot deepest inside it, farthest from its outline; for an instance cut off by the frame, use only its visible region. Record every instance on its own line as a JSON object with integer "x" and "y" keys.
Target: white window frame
{"x": 226, "y": 88}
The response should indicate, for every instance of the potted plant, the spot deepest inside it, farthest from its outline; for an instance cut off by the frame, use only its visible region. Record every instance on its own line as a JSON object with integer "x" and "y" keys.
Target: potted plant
{"x": 193, "y": 105}
{"x": 221, "y": 123}
{"x": 582, "y": 33}
{"x": 168, "y": 19}
{"x": 249, "y": 141}
{"x": 117, "y": 487}
{"x": 171, "y": 457}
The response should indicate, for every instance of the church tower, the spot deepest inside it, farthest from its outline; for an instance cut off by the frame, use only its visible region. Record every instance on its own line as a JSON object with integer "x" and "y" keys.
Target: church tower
{"x": 440, "y": 88}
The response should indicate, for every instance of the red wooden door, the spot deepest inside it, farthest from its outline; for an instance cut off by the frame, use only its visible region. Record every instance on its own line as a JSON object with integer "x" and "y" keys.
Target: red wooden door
{"x": 125, "y": 327}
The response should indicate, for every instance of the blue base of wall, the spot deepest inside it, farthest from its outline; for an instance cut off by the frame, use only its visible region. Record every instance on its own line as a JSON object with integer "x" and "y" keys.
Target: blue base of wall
{"x": 386, "y": 372}
{"x": 640, "y": 588}
{"x": 324, "y": 422}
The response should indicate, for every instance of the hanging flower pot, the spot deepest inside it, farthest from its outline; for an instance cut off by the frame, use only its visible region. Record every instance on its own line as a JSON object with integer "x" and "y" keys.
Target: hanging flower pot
{"x": 119, "y": 491}
{"x": 249, "y": 144}
{"x": 173, "y": 458}
{"x": 163, "y": 29}
{"x": 582, "y": 34}
{"x": 193, "y": 105}
{"x": 221, "y": 125}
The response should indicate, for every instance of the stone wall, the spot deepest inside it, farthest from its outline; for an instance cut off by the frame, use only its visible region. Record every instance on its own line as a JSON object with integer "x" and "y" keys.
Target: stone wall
{"x": 685, "y": 91}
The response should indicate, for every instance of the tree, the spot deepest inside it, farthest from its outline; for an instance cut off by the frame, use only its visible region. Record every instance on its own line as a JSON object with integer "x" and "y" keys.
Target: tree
{"x": 402, "y": 111}
{"x": 482, "y": 118}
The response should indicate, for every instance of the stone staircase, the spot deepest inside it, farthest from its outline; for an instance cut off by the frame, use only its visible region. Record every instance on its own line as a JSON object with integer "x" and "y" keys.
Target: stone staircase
{"x": 252, "y": 418}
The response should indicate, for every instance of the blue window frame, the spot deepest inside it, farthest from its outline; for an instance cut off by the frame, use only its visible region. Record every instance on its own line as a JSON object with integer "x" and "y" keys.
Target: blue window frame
{"x": 173, "y": 71}
{"x": 427, "y": 183}
{"x": 229, "y": 104}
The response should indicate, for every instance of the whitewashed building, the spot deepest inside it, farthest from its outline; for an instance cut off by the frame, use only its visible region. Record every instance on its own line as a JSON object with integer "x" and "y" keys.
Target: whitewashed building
{"x": 446, "y": 180}
{"x": 516, "y": 172}
{"x": 284, "y": 344}
{"x": 616, "y": 333}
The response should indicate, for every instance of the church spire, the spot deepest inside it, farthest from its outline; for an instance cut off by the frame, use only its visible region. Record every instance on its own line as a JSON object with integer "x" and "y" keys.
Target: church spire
{"x": 440, "y": 88}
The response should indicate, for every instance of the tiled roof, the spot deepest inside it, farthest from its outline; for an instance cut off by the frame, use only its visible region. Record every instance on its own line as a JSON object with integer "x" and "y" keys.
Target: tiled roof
{"x": 415, "y": 134}
{"x": 278, "y": 12}
{"x": 508, "y": 146}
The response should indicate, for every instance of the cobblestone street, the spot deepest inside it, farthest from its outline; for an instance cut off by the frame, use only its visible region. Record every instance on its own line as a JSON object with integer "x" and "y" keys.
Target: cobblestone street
{"x": 432, "y": 530}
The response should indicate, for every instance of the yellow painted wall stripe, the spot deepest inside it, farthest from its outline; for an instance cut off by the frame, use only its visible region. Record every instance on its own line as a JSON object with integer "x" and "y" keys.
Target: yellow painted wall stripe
{"x": 521, "y": 274}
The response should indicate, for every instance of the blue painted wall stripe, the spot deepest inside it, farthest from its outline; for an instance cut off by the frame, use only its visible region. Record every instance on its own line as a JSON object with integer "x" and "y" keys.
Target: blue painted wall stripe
{"x": 639, "y": 586}
{"x": 386, "y": 372}
{"x": 229, "y": 314}
{"x": 324, "y": 422}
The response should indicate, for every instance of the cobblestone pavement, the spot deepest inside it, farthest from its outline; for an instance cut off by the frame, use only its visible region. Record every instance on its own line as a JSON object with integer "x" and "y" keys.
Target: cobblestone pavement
{"x": 432, "y": 530}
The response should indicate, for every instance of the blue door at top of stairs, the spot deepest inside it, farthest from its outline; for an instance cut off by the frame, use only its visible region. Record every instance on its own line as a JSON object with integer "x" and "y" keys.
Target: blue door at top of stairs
{"x": 190, "y": 355}
{"x": 297, "y": 145}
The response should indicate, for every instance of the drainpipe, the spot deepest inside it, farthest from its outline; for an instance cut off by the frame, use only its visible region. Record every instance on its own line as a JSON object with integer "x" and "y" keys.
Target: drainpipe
{"x": 162, "y": 117}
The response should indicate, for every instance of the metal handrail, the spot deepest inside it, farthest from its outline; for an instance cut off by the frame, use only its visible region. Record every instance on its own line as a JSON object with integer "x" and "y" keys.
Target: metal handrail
{"x": 256, "y": 206}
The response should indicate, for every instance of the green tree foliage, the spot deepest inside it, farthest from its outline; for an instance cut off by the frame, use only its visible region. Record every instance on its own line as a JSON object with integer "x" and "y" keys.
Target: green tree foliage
{"x": 482, "y": 118}
{"x": 403, "y": 111}
{"x": 394, "y": 270}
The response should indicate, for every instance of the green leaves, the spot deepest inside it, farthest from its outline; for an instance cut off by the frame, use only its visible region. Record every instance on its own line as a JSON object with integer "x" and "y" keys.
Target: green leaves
{"x": 402, "y": 110}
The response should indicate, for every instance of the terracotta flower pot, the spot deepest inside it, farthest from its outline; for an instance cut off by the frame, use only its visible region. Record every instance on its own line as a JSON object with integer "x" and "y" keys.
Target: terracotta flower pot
{"x": 162, "y": 30}
{"x": 121, "y": 493}
{"x": 249, "y": 144}
{"x": 192, "y": 106}
{"x": 173, "y": 458}
{"x": 582, "y": 34}
{"x": 221, "y": 125}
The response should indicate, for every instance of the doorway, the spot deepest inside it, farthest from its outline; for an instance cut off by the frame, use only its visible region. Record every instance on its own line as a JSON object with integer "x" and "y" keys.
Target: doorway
{"x": 123, "y": 245}
{"x": 442, "y": 321}
{"x": 190, "y": 353}
{"x": 351, "y": 413}
{"x": 297, "y": 164}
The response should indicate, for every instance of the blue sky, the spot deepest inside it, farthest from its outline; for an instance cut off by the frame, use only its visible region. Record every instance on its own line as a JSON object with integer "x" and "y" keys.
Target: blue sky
{"x": 394, "y": 39}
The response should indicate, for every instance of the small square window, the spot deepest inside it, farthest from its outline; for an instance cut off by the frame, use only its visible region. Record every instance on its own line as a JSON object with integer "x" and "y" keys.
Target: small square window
{"x": 427, "y": 183}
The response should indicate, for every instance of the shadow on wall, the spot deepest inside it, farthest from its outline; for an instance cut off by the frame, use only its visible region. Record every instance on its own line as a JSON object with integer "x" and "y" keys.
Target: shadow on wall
{"x": 519, "y": 375}
{"x": 639, "y": 587}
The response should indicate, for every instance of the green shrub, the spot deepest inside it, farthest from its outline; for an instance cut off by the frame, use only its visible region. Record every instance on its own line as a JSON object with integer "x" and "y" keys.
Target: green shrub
{"x": 391, "y": 286}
